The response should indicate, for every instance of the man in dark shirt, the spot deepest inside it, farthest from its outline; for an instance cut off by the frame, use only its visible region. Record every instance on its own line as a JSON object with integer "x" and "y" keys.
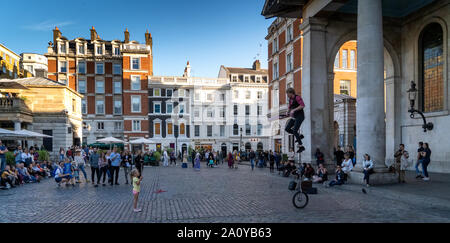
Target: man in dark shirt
{"x": 419, "y": 160}
{"x": 297, "y": 115}
{"x": 339, "y": 155}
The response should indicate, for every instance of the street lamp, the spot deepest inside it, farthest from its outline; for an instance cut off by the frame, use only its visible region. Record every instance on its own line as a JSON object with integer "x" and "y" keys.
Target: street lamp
{"x": 412, "y": 96}
{"x": 240, "y": 144}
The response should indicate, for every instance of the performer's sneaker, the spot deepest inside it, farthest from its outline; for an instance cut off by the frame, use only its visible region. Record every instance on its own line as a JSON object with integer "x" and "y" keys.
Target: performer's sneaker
{"x": 301, "y": 149}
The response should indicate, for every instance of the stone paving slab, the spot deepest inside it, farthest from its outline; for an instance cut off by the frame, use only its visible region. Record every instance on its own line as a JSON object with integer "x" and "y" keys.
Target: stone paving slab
{"x": 218, "y": 195}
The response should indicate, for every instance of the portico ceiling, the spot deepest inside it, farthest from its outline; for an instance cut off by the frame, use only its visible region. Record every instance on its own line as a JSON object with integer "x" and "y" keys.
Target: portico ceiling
{"x": 294, "y": 8}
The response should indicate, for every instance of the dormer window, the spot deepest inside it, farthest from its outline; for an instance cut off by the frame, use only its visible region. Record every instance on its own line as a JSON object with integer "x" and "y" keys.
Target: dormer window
{"x": 116, "y": 51}
{"x": 246, "y": 79}
{"x": 81, "y": 49}
{"x": 99, "y": 50}
{"x": 62, "y": 48}
{"x": 234, "y": 78}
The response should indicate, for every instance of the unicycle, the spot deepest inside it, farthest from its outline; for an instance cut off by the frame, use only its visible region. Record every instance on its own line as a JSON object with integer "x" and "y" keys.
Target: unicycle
{"x": 300, "y": 198}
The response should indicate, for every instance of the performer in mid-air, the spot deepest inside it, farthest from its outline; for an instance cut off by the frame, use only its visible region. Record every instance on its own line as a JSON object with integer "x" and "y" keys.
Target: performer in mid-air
{"x": 297, "y": 115}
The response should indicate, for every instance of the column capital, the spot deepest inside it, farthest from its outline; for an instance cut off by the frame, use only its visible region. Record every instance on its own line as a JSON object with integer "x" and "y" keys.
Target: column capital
{"x": 313, "y": 23}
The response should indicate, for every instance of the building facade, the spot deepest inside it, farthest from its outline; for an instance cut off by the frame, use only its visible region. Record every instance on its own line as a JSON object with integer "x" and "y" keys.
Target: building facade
{"x": 46, "y": 107}
{"x": 112, "y": 76}
{"x": 246, "y": 107}
{"x": 34, "y": 65}
{"x": 9, "y": 64}
{"x": 398, "y": 42}
{"x": 169, "y": 111}
{"x": 285, "y": 43}
{"x": 210, "y": 113}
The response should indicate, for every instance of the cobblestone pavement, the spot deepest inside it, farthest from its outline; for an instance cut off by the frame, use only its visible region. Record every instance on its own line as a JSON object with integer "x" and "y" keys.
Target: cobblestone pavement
{"x": 223, "y": 195}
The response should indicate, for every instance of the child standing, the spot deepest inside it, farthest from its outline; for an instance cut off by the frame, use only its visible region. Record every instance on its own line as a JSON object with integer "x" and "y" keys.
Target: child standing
{"x": 136, "y": 178}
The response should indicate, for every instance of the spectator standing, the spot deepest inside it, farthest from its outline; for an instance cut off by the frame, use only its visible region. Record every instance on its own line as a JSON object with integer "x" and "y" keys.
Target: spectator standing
{"x": 136, "y": 179}
{"x": 271, "y": 161}
{"x": 103, "y": 167}
{"x": 252, "y": 156}
{"x": 18, "y": 155}
{"x": 126, "y": 164}
{"x": 339, "y": 154}
{"x": 95, "y": 169}
{"x": 80, "y": 163}
{"x": 319, "y": 157}
{"x": 351, "y": 153}
{"x": 138, "y": 161}
{"x": 426, "y": 161}
{"x": 115, "y": 166}
{"x": 398, "y": 157}
{"x": 3, "y": 151}
{"x": 405, "y": 162}
{"x": 419, "y": 160}
{"x": 368, "y": 168}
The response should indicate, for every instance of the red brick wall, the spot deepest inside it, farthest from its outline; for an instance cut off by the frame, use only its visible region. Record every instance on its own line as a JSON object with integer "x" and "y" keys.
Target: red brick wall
{"x": 108, "y": 85}
{"x": 91, "y": 104}
{"x": 108, "y": 68}
{"x": 127, "y": 125}
{"x": 72, "y": 67}
{"x": 282, "y": 91}
{"x": 296, "y": 26}
{"x": 108, "y": 105}
{"x": 270, "y": 50}
{"x": 270, "y": 97}
{"x": 90, "y": 67}
{"x": 126, "y": 63}
{"x": 281, "y": 40}
{"x": 298, "y": 82}
{"x": 72, "y": 83}
{"x": 282, "y": 63}
{"x": 270, "y": 78}
{"x": 297, "y": 54}
{"x": 126, "y": 102}
{"x": 90, "y": 84}
{"x": 52, "y": 66}
{"x": 53, "y": 77}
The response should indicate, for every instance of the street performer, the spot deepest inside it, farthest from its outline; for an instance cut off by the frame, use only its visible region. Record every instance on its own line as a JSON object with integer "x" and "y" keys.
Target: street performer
{"x": 297, "y": 115}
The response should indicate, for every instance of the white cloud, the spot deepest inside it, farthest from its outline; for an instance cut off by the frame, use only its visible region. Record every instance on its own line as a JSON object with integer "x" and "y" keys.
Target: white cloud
{"x": 47, "y": 25}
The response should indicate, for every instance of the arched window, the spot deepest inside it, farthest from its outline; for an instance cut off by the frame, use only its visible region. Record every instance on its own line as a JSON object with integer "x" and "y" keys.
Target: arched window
{"x": 260, "y": 146}
{"x": 432, "y": 68}
{"x": 248, "y": 146}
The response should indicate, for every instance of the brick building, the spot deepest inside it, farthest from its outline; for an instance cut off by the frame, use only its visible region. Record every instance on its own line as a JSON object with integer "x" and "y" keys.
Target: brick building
{"x": 112, "y": 76}
{"x": 285, "y": 46}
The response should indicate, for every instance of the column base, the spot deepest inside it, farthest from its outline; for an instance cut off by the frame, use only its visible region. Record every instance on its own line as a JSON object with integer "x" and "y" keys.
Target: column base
{"x": 377, "y": 178}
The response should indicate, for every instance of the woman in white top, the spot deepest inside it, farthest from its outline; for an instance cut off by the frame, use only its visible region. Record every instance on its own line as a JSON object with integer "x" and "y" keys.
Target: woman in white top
{"x": 347, "y": 164}
{"x": 27, "y": 157}
{"x": 166, "y": 159}
{"x": 80, "y": 163}
{"x": 368, "y": 168}
{"x": 405, "y": 162}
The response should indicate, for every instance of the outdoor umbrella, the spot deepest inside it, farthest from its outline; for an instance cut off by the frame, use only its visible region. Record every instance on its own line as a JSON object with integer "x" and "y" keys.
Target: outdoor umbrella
{"x": 31, "y": 134}
{"x": 142, "y": 141}
{"x": 109, "y": 140}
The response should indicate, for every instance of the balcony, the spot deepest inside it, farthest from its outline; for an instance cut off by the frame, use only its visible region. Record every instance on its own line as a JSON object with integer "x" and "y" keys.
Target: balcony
{"x": 14, "y": 109}
{"x": 136, "y": 48}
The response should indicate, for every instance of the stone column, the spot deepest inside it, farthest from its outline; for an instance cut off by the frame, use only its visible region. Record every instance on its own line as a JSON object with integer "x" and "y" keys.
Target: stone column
{"x": 316, "y": 92}
{"x": 17, "y": 126}
{"x": 370, "y": 114}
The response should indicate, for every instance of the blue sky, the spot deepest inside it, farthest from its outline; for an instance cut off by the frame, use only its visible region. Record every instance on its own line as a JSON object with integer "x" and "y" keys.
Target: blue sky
{"x": 208, "y": 33}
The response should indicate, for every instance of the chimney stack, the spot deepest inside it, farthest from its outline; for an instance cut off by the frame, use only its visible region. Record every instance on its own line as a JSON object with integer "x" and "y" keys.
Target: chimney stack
{"x": 256, "y": 65}
{"x": 148, "y": 39}
{"x": 93, "y": 34}
{"x": 56, "y": 35}
{"x": 127, "y": 36}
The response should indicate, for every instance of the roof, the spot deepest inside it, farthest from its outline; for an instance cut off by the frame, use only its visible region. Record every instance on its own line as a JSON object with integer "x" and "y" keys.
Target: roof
{"x": 34, "y": 81}
{"x": 283, "y": 8}
{"x": 246, "y": 70}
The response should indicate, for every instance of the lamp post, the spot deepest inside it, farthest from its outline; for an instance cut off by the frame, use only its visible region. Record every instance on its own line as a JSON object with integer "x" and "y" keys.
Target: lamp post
{"x": 240, "y": 143}
{"x": 412, "y": 96}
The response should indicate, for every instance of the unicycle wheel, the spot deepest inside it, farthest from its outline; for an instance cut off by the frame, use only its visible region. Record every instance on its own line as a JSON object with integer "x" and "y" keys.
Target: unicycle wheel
{"x": 300, "y": 199}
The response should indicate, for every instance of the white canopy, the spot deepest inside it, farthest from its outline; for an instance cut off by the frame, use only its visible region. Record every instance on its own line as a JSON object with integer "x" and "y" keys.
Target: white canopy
{"x": 32, "y": 134}
{"x": 142, "y": 141}
{"x": 109, "y": 140}
{"x": 9, "y": 133}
